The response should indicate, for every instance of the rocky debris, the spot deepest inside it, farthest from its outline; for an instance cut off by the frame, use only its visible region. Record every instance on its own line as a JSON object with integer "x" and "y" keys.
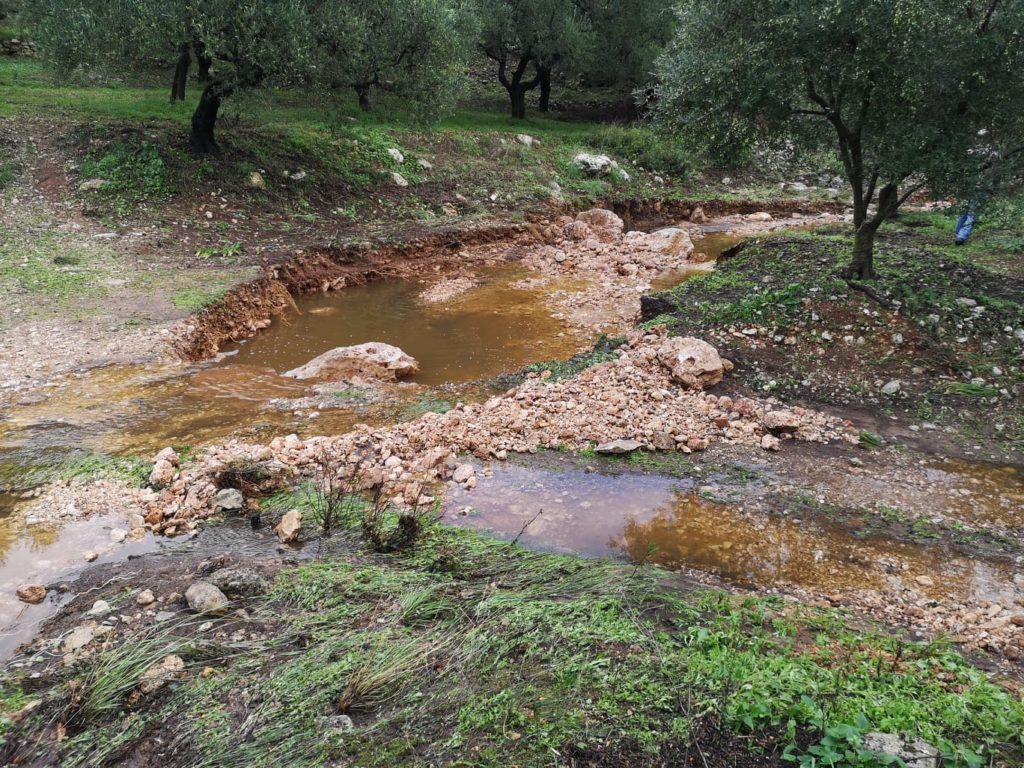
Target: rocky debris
{"x": 168, "y": 454}
{"x": 891, "y": 388}
{"x": 779, "y": 422}
{"x": 204, "y": 597}
{"x": 334, "y": 723}
{"x": 697, "y": 216}
{"x": 447, "y": 289}
{"x": 605, "y": 225}
{"x": 621, "y": 446}
{"x": 671, "y": 241}
{"x": 162, "y": 474}
{"x": 99, "y": 608}
{"x": 78, "y": 638}
{"x": 594, "y": 165}
{"x": 145, "y": 597}
{"x": 159, "y": 674}
{"x": 396, "y": 155}
{"x": 398, "y": 179}
{"x": 31, "y": 593}
{"x": 16, "y": 47}
{"x": 913, "y": 752}
{"x": 463, "y": 473}
{"x": 290, "y": 526}
{"x": 238, "y": 582}
{"x": 612, "y": 269}
{"x": 373, "y": 360}
{"x": 256, "y": 181}
{"x": 692, "y": 362}
{"x": 228, "y": 500}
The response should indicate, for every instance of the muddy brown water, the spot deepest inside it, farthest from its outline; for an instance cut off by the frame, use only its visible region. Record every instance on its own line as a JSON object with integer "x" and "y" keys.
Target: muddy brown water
{"x": 666, "y": 521}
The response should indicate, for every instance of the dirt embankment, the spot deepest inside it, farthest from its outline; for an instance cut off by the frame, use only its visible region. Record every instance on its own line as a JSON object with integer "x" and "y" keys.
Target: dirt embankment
{"x": 249, "y": 308}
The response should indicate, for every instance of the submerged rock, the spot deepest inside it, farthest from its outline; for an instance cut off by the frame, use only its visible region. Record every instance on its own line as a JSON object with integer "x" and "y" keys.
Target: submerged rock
{"x": 693, "y": 362}
{"x": 31, "y": 593}
{"x": 373, "y": 360}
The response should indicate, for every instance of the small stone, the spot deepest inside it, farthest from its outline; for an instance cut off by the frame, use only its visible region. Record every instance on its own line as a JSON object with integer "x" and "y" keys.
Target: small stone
{"x": 228, "y": 500}
{"x": 92, "y": 185}
{"x": 891, "y": 388}
{"x": 99, "y": 608}
{"x": 619, "y": 446}
{"x": 90, "y": 556}
{"x": 256, "y": 181}
{"x": 145, "y": 597}
{"x": 156, "y": 676}
{"x": 925, "y": 581}
{"x": 238, "y": 582}
{"x": 399, "y": 180}
{"x": 463, "y": 472}
{"x": 396, "y": 155}
{"x": 162, "y": 474}
{"x": 203, "y": 597}
{"x": 31, "y": 593}
{"x": 915, "y": 752}
{"x": 117, "y": 535}
{"x": 770, "y": 443}
{"x": 289, "y": 527}
{"x": 79, "y": 637}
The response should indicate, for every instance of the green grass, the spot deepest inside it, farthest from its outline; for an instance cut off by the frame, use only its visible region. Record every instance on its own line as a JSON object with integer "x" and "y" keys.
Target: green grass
{"x": 475, "y": 652}
{"x": 195, "y": 299}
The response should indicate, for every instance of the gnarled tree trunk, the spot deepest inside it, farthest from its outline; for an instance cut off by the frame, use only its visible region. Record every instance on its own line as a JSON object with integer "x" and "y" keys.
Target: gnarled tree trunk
{"x": 363, "y": 91}
{"x": 180, "y": 74}
{"x": 204, "y": 61}
{"x": 205, "y": 118}
{"x": 516, "y": 87}
{"x": 544, "y": 73}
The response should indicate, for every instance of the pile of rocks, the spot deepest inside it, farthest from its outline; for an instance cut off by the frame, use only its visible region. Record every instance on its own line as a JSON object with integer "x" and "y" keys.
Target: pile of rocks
{"x": 652, "y": 394}
{"x": 16, "y": 47}
{"x": 617, "y": 266}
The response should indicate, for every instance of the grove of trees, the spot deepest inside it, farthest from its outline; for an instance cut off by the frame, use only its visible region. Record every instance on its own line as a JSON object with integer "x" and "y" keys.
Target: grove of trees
{"x": 910, "y": 93}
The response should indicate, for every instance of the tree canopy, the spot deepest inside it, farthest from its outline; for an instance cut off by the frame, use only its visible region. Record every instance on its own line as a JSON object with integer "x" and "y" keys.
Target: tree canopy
{"x": 912, "y": 93}
{"x": 416, "y": 49}
{"x": 411, "y": 48}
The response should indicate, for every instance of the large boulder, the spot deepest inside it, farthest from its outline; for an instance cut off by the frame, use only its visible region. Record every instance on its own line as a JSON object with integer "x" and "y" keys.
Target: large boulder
{"x": 604, "y": 224}
{"x": 671, "y": 241}
{"x": 692, "y": 362}
{"x": 594, "y": 165}
{"x": 373, "y": 360}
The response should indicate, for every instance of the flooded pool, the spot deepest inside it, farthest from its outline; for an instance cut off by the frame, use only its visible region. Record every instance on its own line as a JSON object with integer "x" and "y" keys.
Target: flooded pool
{"x": 666, "y": 521}
{"x": 490, "y": 329}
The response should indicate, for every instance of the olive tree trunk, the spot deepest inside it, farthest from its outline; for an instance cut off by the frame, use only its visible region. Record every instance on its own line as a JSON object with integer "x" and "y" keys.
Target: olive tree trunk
{"x": 204, "y": 119}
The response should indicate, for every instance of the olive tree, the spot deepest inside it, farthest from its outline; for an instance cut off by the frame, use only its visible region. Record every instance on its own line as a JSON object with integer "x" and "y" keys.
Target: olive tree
{"x": 528, "y": 39}
{"x": 256, "y": 42}
{"x": 909, "y": 92}
{"x": 628, "y": 35}
{"x": 416, "y": 49}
